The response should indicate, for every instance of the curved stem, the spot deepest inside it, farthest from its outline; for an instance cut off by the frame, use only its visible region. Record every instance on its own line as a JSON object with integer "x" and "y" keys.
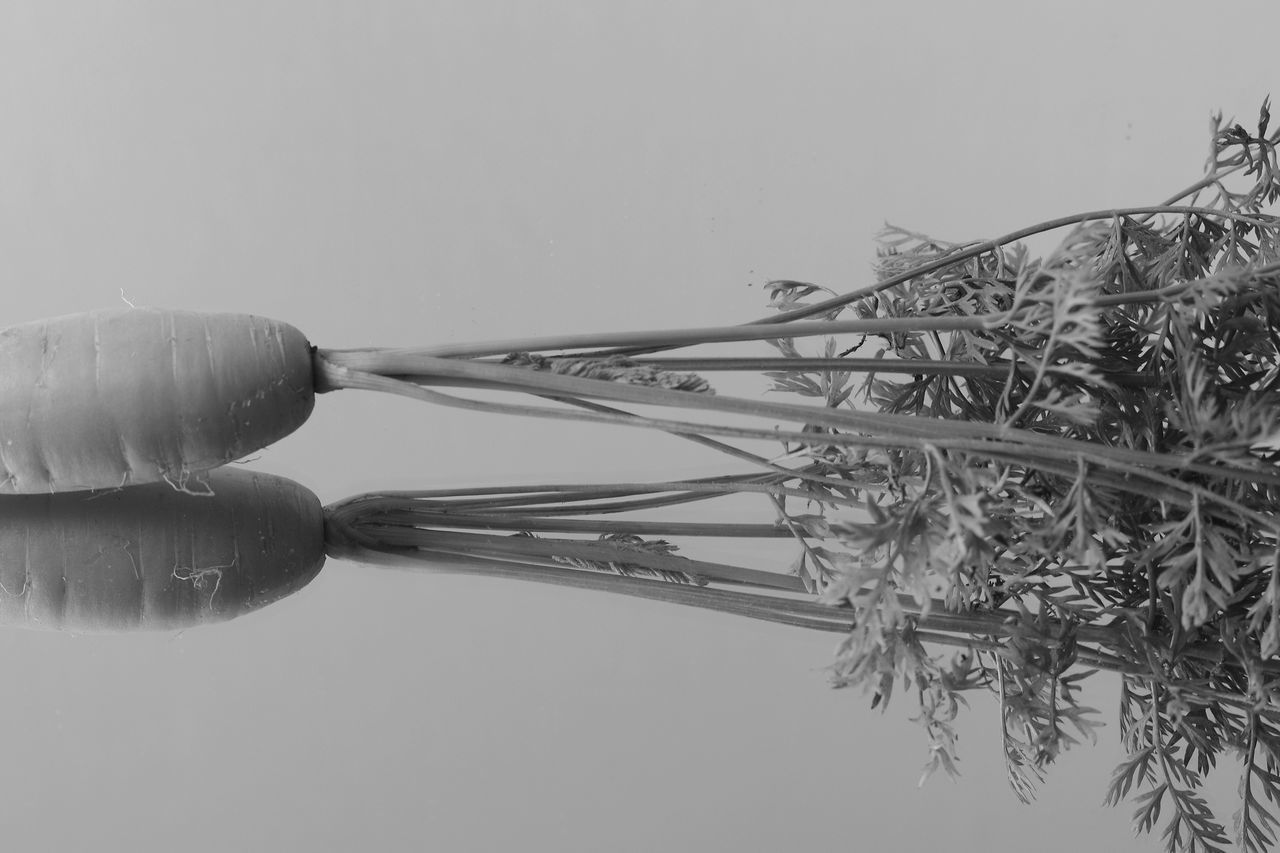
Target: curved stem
{"x": 977, "y": 249}
{"x": 1204, "y": 183}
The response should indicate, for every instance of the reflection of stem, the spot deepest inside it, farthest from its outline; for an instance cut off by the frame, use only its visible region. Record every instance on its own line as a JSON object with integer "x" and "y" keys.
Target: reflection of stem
{"x": 751, "y": 605}
{"x": 598, "y": 551}
{"x": 1100, "y": 647}
{"x": 403, "y": 515}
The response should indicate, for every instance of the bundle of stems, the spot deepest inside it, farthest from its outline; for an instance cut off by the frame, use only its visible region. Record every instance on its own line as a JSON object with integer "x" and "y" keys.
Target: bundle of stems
{"x": 1010, "y": 472}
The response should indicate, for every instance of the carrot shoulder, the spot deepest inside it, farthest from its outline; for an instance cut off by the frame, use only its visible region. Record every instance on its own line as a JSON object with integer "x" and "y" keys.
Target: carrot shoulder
{"x": 152, "y": 557}
{"x": 104, "y": 399}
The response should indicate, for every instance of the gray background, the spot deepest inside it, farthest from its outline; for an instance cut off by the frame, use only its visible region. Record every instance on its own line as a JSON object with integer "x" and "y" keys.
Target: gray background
{"x": 399, "y": 173}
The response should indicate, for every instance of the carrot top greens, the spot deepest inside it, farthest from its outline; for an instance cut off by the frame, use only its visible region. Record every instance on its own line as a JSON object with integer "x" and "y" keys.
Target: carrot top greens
{"x": 1006, "y": 473}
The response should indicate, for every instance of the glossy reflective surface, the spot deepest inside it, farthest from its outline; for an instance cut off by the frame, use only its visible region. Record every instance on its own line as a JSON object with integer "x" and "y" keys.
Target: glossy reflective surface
{"x": 421, "y": 173}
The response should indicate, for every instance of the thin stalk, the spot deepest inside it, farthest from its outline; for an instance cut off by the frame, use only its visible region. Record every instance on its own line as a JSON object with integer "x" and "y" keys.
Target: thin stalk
{"x": 511, "y": 558}
{"x": 443, "y": 518}
{"x": 711, "y": 486}
{"x": 750, "y": 605}
{"x": 801, "y": 537}
{"x": 1049, "y": 460}
{"x": 352, "y": 530}
{"x": 719, "y": 446}
{"x": 1163, "y": 294}
{"x": 612, "y": 508}
{"x": 482, "y": 544}
{"x": 976, "y": 249}
{"x": 344, "y": 370}
{"x": 910, "y": 366}
{"x": 662, "y": 338}
{"x": 753, "y": 605}
{"x": 1123, "y": 475}
{"x": 1204, "y": 183}
{"x": 735, "y": 452}
{"x": 575, "y": 495}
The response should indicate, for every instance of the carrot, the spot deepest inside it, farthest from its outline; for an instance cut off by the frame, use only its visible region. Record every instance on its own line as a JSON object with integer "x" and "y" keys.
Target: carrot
{"x": 110, "y": 398}
{"x": 152, "y": 557}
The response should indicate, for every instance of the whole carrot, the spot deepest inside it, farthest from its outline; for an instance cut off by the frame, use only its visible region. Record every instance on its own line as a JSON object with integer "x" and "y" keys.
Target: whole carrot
{"x": 152, "y": 557}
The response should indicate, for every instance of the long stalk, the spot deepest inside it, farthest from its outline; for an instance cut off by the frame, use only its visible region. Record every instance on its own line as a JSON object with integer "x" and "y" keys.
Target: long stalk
{"x": 664, "y": 338}
{"x": 443, "y": 518}
{"x": 977, "y": 249}
{"x": 350, "y": 369}
{"x": 449, "y": 557}
{"x": 913, "y": 366}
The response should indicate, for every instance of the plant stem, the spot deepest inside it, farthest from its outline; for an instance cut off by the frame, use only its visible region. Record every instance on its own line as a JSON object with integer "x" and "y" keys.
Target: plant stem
{"x": 1204, "y": 183}
{"x": 348, "y": 370}
{"x": 911, "y": 366}
{"x": 401, "y": 535}
{"x": 754, "y": 606}
{"x": 1163, "y": 294}
{"x": 443, "y": 518}
{"x": 977, "y": 249}
{"x": 572, "y": 495}
{"x": 658, "y": 338}
{"x": 710, "y": 486}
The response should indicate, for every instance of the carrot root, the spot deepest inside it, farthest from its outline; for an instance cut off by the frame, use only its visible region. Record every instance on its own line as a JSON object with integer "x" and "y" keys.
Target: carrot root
{"x": 150, "y": 557}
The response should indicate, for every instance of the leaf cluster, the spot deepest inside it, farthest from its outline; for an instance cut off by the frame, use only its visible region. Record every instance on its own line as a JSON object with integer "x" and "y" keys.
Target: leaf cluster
{"x": 1132, "y": 526}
